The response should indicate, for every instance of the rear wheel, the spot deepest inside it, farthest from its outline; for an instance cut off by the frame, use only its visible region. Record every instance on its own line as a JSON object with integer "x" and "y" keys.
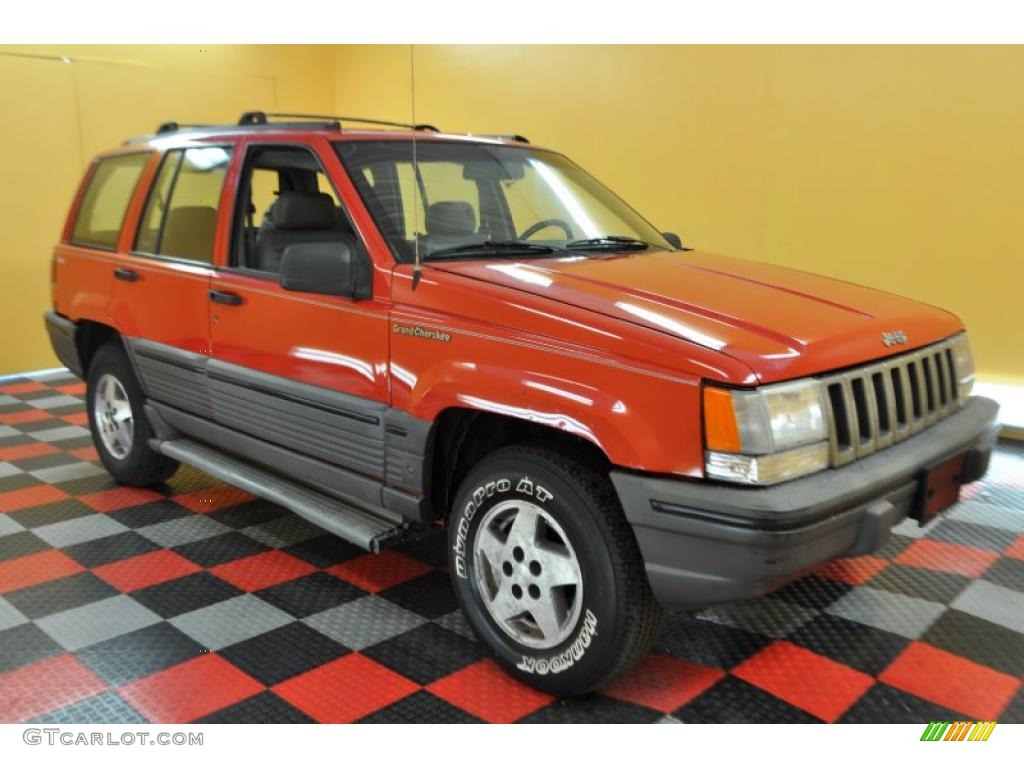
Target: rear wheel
{"x": 548, "y": 572}
{"x": 118, "y": 421}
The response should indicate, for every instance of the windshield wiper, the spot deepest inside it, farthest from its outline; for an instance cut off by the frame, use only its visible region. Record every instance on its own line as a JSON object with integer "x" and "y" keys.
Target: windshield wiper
{"x": 491, "y": 248}
{"x": 609, "y": 242}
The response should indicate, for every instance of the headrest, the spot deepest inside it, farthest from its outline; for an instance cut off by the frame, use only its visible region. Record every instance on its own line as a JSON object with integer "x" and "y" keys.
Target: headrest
{"x": 451, "y": 217}
{"x": 303, "y": 210}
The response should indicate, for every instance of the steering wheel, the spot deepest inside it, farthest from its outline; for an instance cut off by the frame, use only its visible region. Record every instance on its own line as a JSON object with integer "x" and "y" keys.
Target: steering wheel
{"x": 533, "y": 229}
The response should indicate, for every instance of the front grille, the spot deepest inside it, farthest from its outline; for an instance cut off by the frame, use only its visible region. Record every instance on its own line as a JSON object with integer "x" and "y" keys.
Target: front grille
{"x": 876, "y": 405}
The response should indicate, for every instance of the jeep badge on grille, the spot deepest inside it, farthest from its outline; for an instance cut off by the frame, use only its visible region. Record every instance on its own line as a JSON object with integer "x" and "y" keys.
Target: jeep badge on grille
{"x": 892, "y": 338}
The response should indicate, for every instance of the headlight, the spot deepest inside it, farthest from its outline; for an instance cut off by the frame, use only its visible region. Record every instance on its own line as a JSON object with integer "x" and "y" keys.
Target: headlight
{"x": 765, "y": 435}
{"x": 963, "y": 364}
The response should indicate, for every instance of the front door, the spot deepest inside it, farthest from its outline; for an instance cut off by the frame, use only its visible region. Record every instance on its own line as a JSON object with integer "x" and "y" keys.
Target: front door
{"x": 302, "y": 371}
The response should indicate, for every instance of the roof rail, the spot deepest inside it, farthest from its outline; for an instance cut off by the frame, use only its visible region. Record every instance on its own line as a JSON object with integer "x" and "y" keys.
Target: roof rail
{"x": 504, "y": 136}
{"x": 260, "y": 118}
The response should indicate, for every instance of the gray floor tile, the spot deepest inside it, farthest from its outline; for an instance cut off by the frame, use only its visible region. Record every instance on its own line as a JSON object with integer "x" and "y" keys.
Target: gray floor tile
{"x": 8, "y": 400}
{"x": 59, "y": 433}
{"x": 7, "y": 469}
{"x": 93, "y": 623}
{"x": 283, "y": 531}
{"x": 231, "y": 621}
{"x": 73, "y": 471}
{"x": 54, "y": 401}
{"x": 184, "y": 530}
{"x": 994, "y": 603}
{"x": 8, "y": 431}
{"x": 364, "y": 622}
{"x": 10, "y": 616}
{"x": 767, "y": 616}
{"x": 899, "y": 614}
{"x": 980, "y": 513}
{"x": 8, "y": 526}
{"x": 456, "y": 622}
{"x": 79, "y": 530}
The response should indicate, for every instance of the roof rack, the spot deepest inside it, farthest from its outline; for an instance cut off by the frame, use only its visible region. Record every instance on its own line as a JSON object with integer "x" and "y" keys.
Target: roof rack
{"x": 257, "y": 120}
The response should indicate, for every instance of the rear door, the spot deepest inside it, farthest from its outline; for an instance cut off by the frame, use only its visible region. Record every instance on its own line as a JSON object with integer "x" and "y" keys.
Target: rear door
{"x": 160, "y": 301}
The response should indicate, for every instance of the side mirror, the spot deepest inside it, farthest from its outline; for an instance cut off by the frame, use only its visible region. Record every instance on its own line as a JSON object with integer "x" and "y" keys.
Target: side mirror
{"x": 332, "y": 269}
{"x": 673, "y": 240}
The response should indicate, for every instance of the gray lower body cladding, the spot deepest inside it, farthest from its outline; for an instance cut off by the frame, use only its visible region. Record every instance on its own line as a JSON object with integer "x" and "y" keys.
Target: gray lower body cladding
{"x": 705, "y": 543}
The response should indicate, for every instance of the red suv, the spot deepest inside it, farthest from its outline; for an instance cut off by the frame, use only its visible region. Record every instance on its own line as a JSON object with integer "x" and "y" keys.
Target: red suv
{"x": 389, "y": 330}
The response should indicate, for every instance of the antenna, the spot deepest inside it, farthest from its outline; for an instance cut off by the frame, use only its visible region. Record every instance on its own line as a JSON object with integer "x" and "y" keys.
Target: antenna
{"x": 417, "y": 270}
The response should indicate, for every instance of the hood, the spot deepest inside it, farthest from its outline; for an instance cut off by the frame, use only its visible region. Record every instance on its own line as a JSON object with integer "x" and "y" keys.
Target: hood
{"x": 781, "y": 323}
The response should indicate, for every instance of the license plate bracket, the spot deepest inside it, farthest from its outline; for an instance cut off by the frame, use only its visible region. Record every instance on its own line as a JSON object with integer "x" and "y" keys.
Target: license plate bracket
{"x": 939, "y": 488}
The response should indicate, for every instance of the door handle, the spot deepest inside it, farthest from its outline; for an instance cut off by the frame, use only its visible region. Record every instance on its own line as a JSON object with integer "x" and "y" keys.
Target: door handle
{"x": 225, "y": 297}
{"x": 128, "y": 275}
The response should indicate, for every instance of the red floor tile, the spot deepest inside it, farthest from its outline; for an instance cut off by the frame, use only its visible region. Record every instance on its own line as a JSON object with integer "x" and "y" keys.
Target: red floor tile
{"x": 119, "y": 498}
{"x": 45, "y": 686}
{"x": 815, "y": 684}
{"x": 34, "y": 569}
{"x": 78, "y": 388}
{"x": 24, "y": 417}
{"x": 345, "y": 690}
{"x": 85, "y": 454}
{"x": 33, "y": 496}
{"x": 191, "y": 690}
{"x": 951, "y": 681}
{"x": 664, "y": 683}
{"x": 952, "y": 558}
{"x": 1016, "y": 549}
{"x": 22, "y": 388}
{"x": 79, "y": 419}
{"x": 483, "y": 689}
{"x": 212, "y": 499}
{"x": 145, "y": 570}
{"x": 27, "y": 451}
{"x": 263, "y": 570}
{"x": 854, "y": 570}
{"x": 374, "y": 573}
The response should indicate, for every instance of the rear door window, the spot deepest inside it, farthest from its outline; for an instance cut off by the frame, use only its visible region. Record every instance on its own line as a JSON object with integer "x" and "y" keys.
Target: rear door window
{"x": 106, "y": 199}
{"x": 181, "y": 213}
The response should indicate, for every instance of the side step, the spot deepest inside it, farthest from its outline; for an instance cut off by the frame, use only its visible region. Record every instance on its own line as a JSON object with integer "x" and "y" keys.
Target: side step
{"x": 362, "y": 528}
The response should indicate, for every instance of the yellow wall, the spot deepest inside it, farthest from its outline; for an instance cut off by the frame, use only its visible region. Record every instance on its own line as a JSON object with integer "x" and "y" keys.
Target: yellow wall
{"x": 56, "y": 115}
{"x": 897, "y": 167}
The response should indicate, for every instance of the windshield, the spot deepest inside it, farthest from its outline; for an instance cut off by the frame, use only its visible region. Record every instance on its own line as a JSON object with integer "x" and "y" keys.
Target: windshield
{"x": 491, "y": 195}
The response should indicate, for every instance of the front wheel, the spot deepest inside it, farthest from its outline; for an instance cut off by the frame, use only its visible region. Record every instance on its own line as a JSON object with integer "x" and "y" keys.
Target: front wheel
{"x": 548, "y": 572}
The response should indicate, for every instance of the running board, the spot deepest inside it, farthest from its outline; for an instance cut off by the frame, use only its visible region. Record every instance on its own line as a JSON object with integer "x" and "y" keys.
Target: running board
{"x": 362, "y": 528}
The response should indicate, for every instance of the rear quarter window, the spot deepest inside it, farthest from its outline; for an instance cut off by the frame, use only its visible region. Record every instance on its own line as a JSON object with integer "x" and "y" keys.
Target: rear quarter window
{"x": 106, "y": 199}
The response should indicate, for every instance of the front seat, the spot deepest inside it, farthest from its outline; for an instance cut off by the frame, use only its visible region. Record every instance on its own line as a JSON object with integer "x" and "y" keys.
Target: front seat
{"x": 297, "y": 217}
{"x": 448, "y": 223}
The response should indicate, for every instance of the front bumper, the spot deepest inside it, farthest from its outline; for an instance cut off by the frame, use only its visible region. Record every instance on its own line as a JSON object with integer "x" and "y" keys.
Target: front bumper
{"x": 705, "y": 543}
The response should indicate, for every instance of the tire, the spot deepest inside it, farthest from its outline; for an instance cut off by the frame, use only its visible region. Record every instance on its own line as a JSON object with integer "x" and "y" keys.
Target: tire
{"x": 581, "y": 636}
{"x": 126, "y": 454}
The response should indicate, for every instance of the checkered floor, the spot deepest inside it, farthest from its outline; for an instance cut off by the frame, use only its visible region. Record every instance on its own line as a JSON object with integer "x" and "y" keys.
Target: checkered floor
{"x": 196, "y": 602}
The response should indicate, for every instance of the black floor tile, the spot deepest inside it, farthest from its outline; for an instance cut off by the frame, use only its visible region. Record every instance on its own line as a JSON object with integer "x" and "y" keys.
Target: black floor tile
{"x": 706, "y": 642}
{"x": 178, "y": 596}
{"x": 324, "y": 551}
{"x": 150, "y": 513}
{"x": 936, "y": 586}
{"x": 980, "y": 641}
{"x": 885, "y": 704}
{"x": 24, "y": 645}
{"x": 426, "y": 654}
{"x": 310, "y": 594}
{"x": 224, "y": 548}
{"x": 139, "y": 654}
{"x": 592, "y": 709}
{"x": 430, "y": 595}
{"x": 856, "y": 645}
{"x": 264, "y": 707}
{"x": 249, "y": 513}
{"x": 47, "y": 514}
{"x": 21, "y": 544}
{"x": 420, "y": 707}
{"x": 110, "y": 549}
{"x": 732, "y": 700}
{"x": 60, "y": 595}
{"x": 283, "y": 653}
